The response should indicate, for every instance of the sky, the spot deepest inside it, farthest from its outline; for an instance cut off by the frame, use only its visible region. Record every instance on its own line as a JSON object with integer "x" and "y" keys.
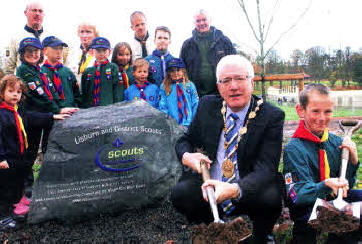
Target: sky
{"x": 332, "y": 24}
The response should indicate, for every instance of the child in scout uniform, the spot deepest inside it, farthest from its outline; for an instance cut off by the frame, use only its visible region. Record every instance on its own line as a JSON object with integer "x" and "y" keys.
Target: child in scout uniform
{"x": 15, "y": 125}
{"x": 41, "y": 96}
{"x": 160, "y": 56}
{"x": 64, "y": 81}
{"x": 100, "y": 86}
{"x": 142, "y": 89}
{"x": 122, "y": 57}
{"x": 178, "y": 95}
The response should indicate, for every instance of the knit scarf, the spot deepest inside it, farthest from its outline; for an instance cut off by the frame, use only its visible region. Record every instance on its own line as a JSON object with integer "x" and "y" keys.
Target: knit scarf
{"x": 162, "y": 56}
{"x": 56, "y": 79}
{"x": 142, "y": 88}
{"x": 35, "y": 32}
{"x": 45, "y": 82}
{"x": 19, "y": 125}
{"x": 304, "y": 133}
{"x": 180, "y": 99}
{"x": 97, "y": 81}
{"x": 143, "y": 44}
{"x": 125, "y": 79}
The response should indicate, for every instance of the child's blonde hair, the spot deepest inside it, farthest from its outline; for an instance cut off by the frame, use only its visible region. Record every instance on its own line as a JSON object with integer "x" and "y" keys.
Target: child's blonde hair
{"x": 139, "y": 62}
{"x": 167, "y": 82}
{"x": 11, "y": 80}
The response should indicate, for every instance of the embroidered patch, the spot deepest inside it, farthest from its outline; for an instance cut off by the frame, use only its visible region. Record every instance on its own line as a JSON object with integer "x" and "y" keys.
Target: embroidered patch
{"x": 32, "y": 86}
{"x": 288, "y": 178}
{"x": 37, "y": 83}
{"x": 135, "y": 98}
{"x": 152, "y": 61}
{"x": 151, "y": 98}
{"x": 188, "y": 90}
{"x": 108, "y": 77}
{"x": 69, "y": 78}
{"x": 40, "y": 90}
{"x": 88, "y": 77}
{"x": 108, "y": 71}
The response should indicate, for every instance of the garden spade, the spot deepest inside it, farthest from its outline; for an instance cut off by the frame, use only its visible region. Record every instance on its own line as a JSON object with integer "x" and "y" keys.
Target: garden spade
{"x": 348, "y": 127}
{"x": 210, "y": 192}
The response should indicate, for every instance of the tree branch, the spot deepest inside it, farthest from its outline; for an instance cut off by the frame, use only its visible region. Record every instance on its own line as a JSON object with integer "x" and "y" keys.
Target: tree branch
{"x": 242, "y": 5}
{"x": 290, "y": 28}
{"x": 271, "y": 19}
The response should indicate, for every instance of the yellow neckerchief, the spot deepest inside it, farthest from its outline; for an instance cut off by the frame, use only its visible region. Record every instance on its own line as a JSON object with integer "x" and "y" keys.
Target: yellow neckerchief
{"x": 21, "y": 126}
{"x": 85, "y": 64}
{"x": 326, "y": 164}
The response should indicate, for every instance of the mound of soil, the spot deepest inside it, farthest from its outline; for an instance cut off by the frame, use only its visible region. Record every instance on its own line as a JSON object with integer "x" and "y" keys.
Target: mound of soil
{"x": 231, "y": 232}
{"x": 332, "y": 220}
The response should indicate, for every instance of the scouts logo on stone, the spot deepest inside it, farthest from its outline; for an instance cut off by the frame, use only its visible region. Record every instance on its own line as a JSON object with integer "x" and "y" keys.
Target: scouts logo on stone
{"x": 118, "y": 157}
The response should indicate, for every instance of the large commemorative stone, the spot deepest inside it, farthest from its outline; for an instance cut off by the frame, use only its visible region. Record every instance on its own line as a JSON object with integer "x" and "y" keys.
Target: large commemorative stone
{"x": 106, "y": 160}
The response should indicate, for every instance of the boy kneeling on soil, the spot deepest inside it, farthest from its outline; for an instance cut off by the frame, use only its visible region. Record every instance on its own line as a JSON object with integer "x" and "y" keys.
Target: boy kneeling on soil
{"x": 312, "y": 160}
{"x": 15, "y": 126}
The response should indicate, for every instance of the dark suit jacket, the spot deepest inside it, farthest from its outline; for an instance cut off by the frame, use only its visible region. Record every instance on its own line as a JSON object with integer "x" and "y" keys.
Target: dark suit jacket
{"x": 258, "y": 151}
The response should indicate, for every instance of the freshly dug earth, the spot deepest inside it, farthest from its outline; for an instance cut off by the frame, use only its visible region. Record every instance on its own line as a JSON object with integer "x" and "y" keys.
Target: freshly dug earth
{"x": 147, "y": 225}
{"x": 231, "y": 232}
{"x": 332, "y": 220}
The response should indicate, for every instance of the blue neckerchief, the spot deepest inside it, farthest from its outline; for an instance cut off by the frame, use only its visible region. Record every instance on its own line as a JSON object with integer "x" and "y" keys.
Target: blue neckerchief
{"x": 35, "y": 32}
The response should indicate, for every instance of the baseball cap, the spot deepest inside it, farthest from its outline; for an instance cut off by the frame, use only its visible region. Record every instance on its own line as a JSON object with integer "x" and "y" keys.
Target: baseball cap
{"x": 29, "y": 41}
{"x": 175, "y": 62}
{"x": 52, "y": 41}
{"x": 100, "y": 42}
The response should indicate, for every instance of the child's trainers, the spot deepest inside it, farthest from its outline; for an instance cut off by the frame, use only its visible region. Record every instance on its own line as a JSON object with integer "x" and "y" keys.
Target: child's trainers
{"x": 21, "y": 209}
{"x": 24, "y": 201}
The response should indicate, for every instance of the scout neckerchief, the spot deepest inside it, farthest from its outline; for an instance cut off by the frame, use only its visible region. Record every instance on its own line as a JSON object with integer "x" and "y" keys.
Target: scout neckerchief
{"x": 142, "y": 88}
{"x": 143, "y": 44}
{"x": 35, "y": 32}
{"x": 231, "y": 144}
{"x": 19, "y": 126}
{"x": 180, "y": 99}
{"x": 162, "y": 56}
{"x": 97, "y": 81}
{"x": 84, "y": 60}
{"x": 56, "y": 79}
{"x": 304, "y": 133}
{"x": 45, "y": 82}
{"x": 122, "y": 70}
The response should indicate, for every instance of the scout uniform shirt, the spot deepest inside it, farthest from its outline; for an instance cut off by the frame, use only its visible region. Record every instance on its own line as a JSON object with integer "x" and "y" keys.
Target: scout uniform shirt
{"x": 69, "y": 85}
{"x": 169, "y": 103}
{"x": 36, "y": 98}
{"x": 151, "y": 93}
{"x": 109, "y": 89}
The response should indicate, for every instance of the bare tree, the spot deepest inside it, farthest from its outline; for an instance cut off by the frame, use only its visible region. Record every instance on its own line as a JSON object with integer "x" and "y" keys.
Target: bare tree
{"x": 261, "y": 31}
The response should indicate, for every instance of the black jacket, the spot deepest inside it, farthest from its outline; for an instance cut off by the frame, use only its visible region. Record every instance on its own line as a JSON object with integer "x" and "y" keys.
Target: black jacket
{"x": 258, "y": 151}
{"x": 190, "y": 53}
{"x": 9, "y": 140}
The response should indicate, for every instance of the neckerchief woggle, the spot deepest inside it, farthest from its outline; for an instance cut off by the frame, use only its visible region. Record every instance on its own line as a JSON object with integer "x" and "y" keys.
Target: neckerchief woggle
{"x": 157, "y": 53}
{"x": 56, "y": 79}
{"x": 304, "y": 133}
{"x": 181, "y": 99}
{"x": 19, "y": 126}
{"x": 97, "y": 81}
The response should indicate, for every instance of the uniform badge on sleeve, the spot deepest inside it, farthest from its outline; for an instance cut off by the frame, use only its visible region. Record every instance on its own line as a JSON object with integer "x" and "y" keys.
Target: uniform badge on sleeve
{"x": 288, "y": 178}
{"x": 32, "y": 86}
{"x": 188, "y": 90}
{"x": 151, "y": 98}
{"x": 40, "y": 90}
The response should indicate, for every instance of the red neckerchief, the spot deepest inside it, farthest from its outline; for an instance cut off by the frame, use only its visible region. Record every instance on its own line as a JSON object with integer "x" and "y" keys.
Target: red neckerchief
{"x": 19, "y": 126}
{"x": 125, "y": 80}
{"x": 305, "y": 134}
{"x": 180, "y": 98}
{"x": 97, "y": 81}
{"x": 56, "y": 79}
{"x": 45, "y": 82}
{"x": 142, "y": 88}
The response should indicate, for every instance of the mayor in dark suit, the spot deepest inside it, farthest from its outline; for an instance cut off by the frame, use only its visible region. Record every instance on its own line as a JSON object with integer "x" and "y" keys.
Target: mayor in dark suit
{"x": 240, "y": 137}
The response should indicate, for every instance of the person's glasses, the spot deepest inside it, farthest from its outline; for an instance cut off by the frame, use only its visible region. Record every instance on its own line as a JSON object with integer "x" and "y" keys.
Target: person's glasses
{"x": 238, "y": 79}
